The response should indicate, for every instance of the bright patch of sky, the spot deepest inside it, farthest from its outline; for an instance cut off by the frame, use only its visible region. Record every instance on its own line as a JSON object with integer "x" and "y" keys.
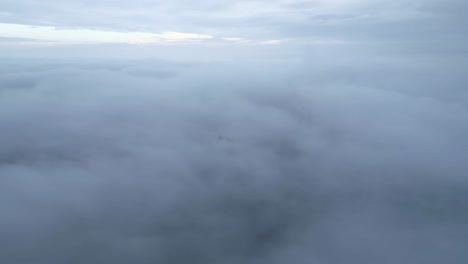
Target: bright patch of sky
{"x": 87, "y": 36}
{"x": 53, "y": 35}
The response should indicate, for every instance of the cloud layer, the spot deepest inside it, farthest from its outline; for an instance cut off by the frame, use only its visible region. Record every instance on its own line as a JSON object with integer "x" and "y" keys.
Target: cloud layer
{"x": 335, "y": 159}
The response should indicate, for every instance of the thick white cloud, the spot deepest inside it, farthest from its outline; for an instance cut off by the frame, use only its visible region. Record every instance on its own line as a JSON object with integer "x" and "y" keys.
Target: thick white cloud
{"x": 344, "y": 144}
{"x": 147, "y": 161}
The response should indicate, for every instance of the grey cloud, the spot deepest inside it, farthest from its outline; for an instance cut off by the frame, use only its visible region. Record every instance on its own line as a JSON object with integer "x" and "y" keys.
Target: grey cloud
{"x": 248, "y": 18}
{"x": 124, "y": 15}
{"x": 349, "y": 150}
{"x": 423, "y": 74}
{"x": 256, "y": 162}
{"x": 424, "y": 24}
{"x": 6, "y": 39}
{"x": 421, "y": 26}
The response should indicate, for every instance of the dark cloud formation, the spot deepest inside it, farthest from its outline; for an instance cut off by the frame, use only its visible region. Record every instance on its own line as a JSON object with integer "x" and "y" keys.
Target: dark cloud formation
{"x": 336, "y": 159}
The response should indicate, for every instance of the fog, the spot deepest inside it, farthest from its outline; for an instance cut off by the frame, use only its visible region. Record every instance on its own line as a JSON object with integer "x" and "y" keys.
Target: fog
{"x": 227, "y": 132}
{"x": 332, "y": 159}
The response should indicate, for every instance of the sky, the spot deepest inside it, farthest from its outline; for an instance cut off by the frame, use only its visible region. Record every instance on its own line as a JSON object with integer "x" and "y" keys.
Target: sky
{"x": 226, "y": 132}
{"x": 424, "y": 25}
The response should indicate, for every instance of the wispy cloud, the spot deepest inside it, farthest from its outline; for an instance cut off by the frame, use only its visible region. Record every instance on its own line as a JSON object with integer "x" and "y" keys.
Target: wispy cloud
{"x": 237, "y": 40}
{"x": 88, "y": 36}
{"x": 47, "y": 34}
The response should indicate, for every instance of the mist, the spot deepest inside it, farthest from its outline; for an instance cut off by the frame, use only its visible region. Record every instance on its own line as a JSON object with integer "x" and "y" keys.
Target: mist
{"x": 168, "y": 162}
{"x": 303, "y": 132}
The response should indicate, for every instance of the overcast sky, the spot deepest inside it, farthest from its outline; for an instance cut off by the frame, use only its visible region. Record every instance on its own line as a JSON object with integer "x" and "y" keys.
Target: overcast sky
{"x": 142, "y": 22}
{"x": 227, "y": 132}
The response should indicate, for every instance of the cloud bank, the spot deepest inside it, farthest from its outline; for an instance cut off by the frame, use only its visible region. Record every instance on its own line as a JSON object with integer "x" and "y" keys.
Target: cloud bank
{"x": 335, "y": 159}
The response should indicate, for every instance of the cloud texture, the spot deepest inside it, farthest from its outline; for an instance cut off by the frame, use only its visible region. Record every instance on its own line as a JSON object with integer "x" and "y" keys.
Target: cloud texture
{"x": 335, "y": 159}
